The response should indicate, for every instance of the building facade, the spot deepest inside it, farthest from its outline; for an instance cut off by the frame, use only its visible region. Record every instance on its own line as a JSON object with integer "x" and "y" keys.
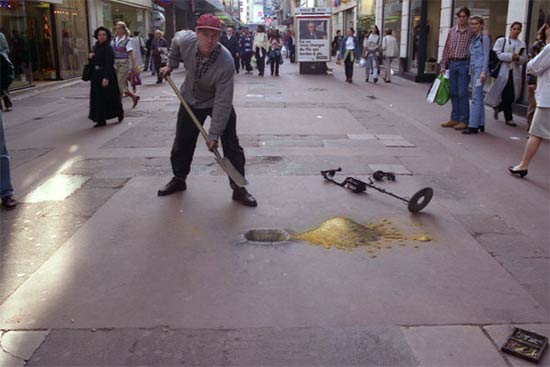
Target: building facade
{"x": 421, "y": 26}
{"x": 48, "y": 40}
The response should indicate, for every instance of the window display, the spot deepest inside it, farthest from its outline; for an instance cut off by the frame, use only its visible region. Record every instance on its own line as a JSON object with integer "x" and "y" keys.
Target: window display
{"x": 13, "y": 26}
{"x": 72, "y": 38}
{"x": 393, "y": 10}
{"x": 494, "y": 13}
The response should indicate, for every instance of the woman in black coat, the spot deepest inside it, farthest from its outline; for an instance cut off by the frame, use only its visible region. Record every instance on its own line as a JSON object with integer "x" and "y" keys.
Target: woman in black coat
{"x": 105, "y": 100}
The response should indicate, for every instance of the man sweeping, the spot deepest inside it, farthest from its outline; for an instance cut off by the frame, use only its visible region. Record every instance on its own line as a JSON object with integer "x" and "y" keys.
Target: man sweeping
{"x": 208, "y": 89}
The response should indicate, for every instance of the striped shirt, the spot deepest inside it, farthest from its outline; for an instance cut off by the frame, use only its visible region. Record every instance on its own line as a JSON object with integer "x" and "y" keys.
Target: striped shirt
{"x": 457, "y": 44}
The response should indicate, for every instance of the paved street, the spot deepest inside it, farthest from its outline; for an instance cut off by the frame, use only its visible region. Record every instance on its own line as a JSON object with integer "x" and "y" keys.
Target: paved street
{"x": 95, "y": 269}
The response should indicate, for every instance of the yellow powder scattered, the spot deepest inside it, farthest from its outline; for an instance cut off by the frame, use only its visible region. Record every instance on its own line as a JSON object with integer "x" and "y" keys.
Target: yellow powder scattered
{"x": 345, "y": 234}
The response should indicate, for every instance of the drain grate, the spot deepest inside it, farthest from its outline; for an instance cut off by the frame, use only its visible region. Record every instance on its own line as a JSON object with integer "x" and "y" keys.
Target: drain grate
{"x": 267, "y": 235}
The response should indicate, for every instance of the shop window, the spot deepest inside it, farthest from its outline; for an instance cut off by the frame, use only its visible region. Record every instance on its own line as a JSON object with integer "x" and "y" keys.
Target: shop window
{"x": 393, "y": 10}
{"x": 40, "y": 41}
{"x": 72, "y": 37}
{"x": 433, "y": 12}
{"x": 494, "y": 13}
{"x": 13, "y": 25}
{"x": 540, "y": 12}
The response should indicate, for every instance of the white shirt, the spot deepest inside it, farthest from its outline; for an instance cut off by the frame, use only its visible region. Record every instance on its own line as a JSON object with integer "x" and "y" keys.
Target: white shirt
{"x": 370, "y": 43}
{"x": 390, "y": 46}
{"x": 128, "y": 45}
{"x": 540, "y": 66}
{"x": 350, "y": 45}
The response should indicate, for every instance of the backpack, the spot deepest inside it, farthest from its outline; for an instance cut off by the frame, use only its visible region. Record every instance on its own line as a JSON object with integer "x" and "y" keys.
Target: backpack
{"x": 7, "y": 72}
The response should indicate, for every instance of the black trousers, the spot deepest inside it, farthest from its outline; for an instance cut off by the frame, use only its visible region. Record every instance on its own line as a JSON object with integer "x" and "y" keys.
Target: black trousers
{"x": 185, "y": 142}
{"x": 508, "y": 98}
{"x": 349, "y": 67}
{"x": 158, "y": 64}
{"x": 274, "y": 64}
{"x": 245, "y": 60}
{"x": 236, "y": 59}
{"x": 260, "y": 59}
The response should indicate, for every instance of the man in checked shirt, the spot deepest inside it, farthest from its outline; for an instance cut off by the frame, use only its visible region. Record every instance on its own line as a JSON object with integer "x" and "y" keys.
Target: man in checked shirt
{"x": 208, "y": 89}
{"x": 455, "y": 60}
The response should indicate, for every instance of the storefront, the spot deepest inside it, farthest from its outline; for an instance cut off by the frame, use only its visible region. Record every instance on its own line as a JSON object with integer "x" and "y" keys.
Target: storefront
{"x": 366, "y": 11}
{"x": 344, "y": 15}
{"x": 135, "y": 15}
{"x": 48, "y": 40}
{"x": 13, "y": 24}
{"x": 423, "y": 39}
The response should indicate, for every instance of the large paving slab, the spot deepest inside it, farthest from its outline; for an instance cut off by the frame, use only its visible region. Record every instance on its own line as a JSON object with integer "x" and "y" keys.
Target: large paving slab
{"x": 349, "y": 346}
{"x": 276, "y": 120}
{"x": 144, "y": 261}
{"x": 452, "y": 346}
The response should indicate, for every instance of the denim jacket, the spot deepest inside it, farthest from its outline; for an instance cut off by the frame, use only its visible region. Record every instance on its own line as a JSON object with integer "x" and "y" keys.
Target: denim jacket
{"x": 479, "y": 52}
{"x": 343, "y": 47}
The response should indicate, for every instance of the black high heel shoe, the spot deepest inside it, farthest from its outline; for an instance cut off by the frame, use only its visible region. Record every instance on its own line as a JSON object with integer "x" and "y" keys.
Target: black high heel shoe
{"x": 520, "y": 172}
{"x": 470, "y": 130}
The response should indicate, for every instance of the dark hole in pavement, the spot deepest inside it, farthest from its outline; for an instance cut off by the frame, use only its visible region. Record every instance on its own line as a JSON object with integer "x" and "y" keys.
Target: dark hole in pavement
{"x": 37, "y": 118}
{"x": 267, "y": 235}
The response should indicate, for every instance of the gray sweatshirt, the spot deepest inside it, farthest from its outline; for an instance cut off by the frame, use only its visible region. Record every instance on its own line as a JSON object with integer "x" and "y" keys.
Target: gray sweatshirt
{"x": 215, "y": 88}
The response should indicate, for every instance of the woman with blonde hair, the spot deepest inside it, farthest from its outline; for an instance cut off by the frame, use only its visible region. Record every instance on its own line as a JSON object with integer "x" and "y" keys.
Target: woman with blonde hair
{"x": 479, "y": 70}
{"x": 124, "y": 57}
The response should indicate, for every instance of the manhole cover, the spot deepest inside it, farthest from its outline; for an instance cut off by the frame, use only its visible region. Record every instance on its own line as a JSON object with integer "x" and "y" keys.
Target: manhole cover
{"x": 267, "y": 235}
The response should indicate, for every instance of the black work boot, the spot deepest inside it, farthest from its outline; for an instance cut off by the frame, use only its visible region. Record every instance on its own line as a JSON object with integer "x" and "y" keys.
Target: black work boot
{"x": 9, "y": 203}
{"x": 242, "y": 196}
{"x": 176, "y": 184}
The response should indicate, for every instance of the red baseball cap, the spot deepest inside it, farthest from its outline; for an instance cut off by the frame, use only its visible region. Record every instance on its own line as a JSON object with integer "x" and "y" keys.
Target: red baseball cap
{"x": 209, "y": 21}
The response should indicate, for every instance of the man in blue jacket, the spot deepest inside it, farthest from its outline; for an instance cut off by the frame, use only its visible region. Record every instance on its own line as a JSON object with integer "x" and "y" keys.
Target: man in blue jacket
{"x": 6, "y": 188}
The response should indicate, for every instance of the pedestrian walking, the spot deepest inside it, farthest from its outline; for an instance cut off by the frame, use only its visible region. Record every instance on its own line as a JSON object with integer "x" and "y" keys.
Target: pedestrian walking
{"x": 260, "y": 49}
{"x": 208, "y": 89}
{"x": 455, "y": 61}
{"x": 349, "y": 51}
{"x": 138, "y": 46}
{"x": 537, "y": 47}
{"x": 105, "y": 99}
{"x": 159, "y": 53}
{"x": 231, "y": 41}
{"x": 246, "y": 49}
{"x": 371, "y": 52}
{"x": 275, "y": 56}
{"x": 291, "y": 48}
{"x": 124, "y": 59}
{"x": 540, "y": 127}
{"x": 506, "y": 89}
{"x": 4, "y": 95}
{"x": 148, "y": 58}
{"x": 6, "y": 187}
{"x": 479, "y": 69}
{"x": 335, "y": 46}
{"x": 390, "y": 50}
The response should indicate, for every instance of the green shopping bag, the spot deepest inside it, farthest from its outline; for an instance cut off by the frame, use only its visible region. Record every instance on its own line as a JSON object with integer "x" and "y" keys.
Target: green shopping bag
{"x": 444, "y": 91}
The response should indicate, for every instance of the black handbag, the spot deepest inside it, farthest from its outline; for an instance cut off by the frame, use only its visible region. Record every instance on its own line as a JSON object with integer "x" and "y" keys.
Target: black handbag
{"x": 87, "y": 72}
{"x": 494, "y": 72}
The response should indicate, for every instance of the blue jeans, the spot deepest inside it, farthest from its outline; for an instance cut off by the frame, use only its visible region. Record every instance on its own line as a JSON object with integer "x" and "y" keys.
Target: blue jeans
{"x": 5, "y": 179}
{"x": 477, "y": 113}
{"x": 458, "y": 78}
{"x": 372, "y": 62}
